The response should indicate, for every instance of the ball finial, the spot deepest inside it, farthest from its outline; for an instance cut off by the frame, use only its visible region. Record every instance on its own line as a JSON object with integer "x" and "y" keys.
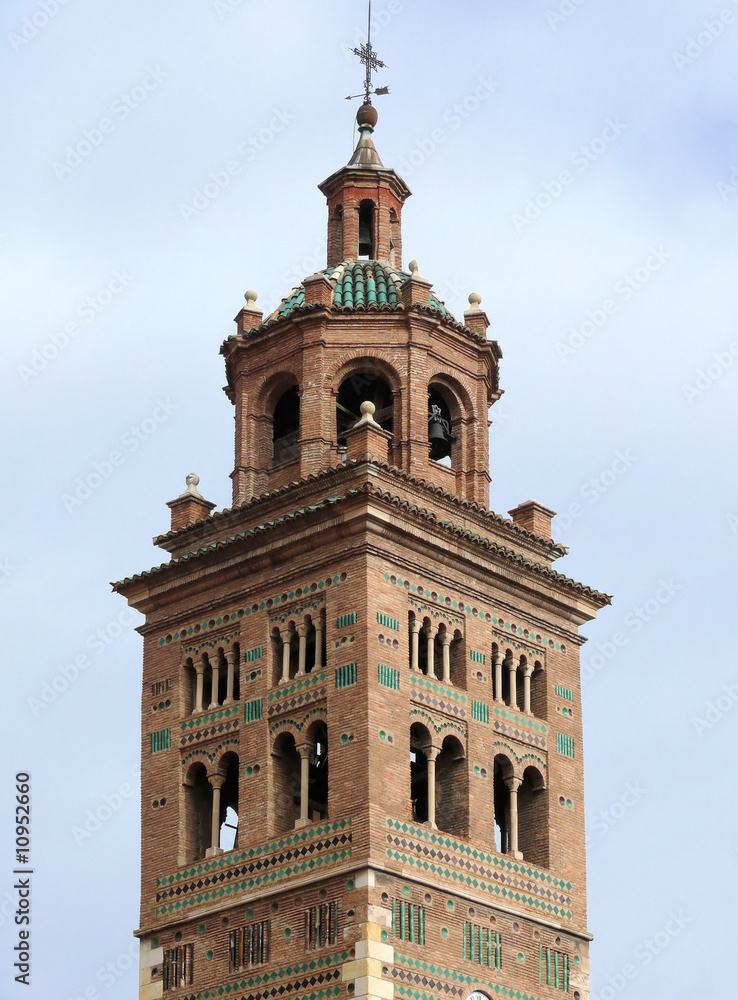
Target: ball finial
{"x": 251, "y": 296}
{"x": 475, "y": 300}
{"x": 366, "y": 116}
{"x": 414, "y": 270}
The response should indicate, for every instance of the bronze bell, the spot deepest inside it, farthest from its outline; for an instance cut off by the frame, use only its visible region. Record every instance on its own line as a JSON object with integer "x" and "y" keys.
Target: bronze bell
{"x": 436, "y": 431}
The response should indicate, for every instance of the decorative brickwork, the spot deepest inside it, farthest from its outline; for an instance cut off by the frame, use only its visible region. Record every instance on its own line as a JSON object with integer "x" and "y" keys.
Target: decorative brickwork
{"x": 312, "y": 814}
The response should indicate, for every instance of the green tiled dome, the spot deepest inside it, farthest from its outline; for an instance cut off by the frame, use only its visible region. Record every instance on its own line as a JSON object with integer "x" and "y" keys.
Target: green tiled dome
{"x": 360, "y": 284}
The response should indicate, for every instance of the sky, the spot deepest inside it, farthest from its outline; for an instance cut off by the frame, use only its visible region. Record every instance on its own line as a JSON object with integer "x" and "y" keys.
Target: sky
{"x": 573, "y": 161}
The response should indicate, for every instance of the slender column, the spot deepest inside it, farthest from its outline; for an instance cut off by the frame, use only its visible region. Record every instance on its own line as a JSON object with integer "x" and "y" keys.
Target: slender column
{"x": 286, "y": 636}
{"x": 513, "y": 784}
{"x": 318, "y": 641}
{"x": 231, "y": 657}
{"x": 304, "y": 752}
{"x": 215, "y": 671}
{"x": 446, "y": 642}
{"x": 512, "y": 668}
{"x": 430, "y": 638}
{"x": 431, "y": 753}
{"x": 497, "y": 659}
{"x": 216, "y": 780}
{"x": 527, "y": 671}
{"x": 200, "y": 670}
{"x": 415, "y": 627}
{"x": 302, "y": 631}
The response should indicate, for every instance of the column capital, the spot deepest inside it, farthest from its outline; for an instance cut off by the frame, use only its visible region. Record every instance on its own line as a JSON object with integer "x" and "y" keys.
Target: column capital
{"x": 431, "y": 752}
{"x": 527, "y": 669}
{"x": 217, "y": 780}
{"x": 446, "y": 638}
{"x": 513, "y": 784}
{"x": 430, "y": 631}
{"x": 302, "y": 630}
{"x": 304, "y": 750}
{"x": 415, "y": 625}
{"x": 199, "y": 665}
{"x": 231, "y": 656}
{"x": 286, "y": 633}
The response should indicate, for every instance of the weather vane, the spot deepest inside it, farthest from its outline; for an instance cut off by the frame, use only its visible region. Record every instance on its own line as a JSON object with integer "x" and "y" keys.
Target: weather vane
{"x": 368, "y": 57}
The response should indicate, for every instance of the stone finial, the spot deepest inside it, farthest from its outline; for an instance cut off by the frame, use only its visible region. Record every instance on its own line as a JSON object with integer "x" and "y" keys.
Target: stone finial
{"x": 368, "y": 410}
{"x": 414, "y": 270}
{"x": 251, "y": 296}
{"x": 192, "y": 479}
{"x": 475, "y": 317}
{"x": 190, "y": 506}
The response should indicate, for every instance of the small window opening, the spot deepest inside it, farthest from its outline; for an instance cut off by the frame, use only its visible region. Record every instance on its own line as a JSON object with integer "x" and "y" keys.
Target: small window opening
{"x": 366, "y": 229}
{"x": 418, "y": 773}
{"x": 286, "y": 426}
{"x": 318, "y": 780}
{"x": 228, "y": 839}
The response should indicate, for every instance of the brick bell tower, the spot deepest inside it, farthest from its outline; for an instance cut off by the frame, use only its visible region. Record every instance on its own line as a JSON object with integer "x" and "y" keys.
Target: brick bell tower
{"x": 361, "y": 720}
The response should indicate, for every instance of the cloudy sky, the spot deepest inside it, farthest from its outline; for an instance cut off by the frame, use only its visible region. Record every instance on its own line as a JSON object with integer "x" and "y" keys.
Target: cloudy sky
{"x": 576, "y": 163}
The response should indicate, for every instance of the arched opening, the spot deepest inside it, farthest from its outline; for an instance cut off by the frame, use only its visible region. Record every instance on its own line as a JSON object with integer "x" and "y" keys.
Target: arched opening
{"x": 228, "y": 818}
{"x": 359, "y": 387}
{"x": 286, "y": 426}
{"x": 318, "y": 773}
{"x": 440, "y": 434}
{"x": 533, "y": 818}
{"x": 189, "y": 686}
{"x": 285, "y": 652}
{"x": 286, "y": 787}
{"x": 426, "y": 655}
{"x": 509, "y": 683}
{"x": 198, "y": 795}
{"x": 452, "y": 788}
{"x": 520, "y": 683}
{"x": 538, "y": 691}
{"x": 503, "y": 769}
{"x": 419, "y": 741}
{"x": 366, "y": 229}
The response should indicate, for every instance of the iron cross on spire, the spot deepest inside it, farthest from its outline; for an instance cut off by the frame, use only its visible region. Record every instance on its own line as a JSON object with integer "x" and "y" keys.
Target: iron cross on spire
{"x": 368, "y": 57}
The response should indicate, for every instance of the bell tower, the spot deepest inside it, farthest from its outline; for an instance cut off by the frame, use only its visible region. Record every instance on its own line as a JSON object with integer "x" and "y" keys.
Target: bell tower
{"x": 361, "y": 717}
